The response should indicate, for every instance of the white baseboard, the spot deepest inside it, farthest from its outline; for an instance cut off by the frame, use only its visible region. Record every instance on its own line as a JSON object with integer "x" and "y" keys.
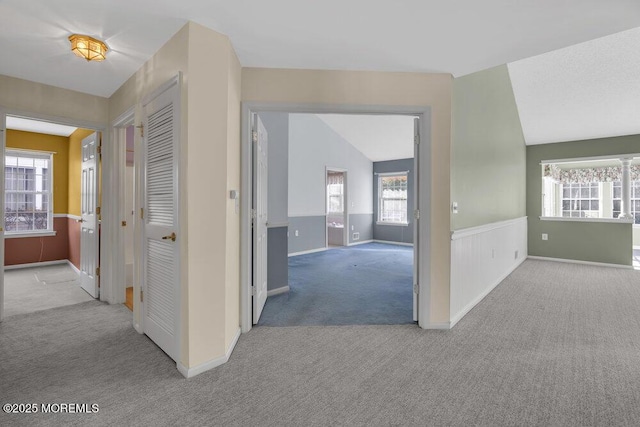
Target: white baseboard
{"x": 311, "y": 251}
{"x": 74, "y": 267}
{"x": 360, "y": 243}
{"x": 278, "y": 291}
{"x": 391, "y": 242}
{"x": 203, "y": 367}
{"x": 455, "y": 319}
{"x": 438, "y": 325}
{"x": 35, "y": 264}
{"x": 577, "y": 261}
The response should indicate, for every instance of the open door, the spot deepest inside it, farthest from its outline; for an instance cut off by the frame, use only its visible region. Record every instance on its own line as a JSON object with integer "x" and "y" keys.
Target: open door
{"x": 416, "y": 215}
{"x": 259, "y": 212}
{"x": 89, "y": 235}
{"x": 160, "y": 291}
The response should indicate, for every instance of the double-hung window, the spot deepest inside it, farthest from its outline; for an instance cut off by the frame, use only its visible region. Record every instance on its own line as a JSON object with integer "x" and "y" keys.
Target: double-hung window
{"x": 28, "y": 192}
{"x": 392, "y": 198}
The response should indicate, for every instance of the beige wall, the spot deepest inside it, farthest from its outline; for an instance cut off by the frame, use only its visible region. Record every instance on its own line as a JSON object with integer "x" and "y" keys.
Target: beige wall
{"x": 36, "y": 98}
{"x": 378, "y": 88}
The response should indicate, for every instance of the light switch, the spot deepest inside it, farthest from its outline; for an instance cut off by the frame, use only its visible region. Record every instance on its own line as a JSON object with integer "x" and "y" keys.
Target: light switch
{"x": 454, "y": 207}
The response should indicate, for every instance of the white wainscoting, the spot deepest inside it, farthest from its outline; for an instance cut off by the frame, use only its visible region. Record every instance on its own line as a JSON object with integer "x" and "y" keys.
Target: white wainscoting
{"x": 481, "y": 257}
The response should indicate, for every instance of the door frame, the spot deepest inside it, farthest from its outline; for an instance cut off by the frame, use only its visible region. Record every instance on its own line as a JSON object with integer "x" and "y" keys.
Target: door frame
{"x": 117, "y": 151}
{"x": 345, "y": 205}
{"x": 105, "y": 292}
{"x": 424, "y": 202}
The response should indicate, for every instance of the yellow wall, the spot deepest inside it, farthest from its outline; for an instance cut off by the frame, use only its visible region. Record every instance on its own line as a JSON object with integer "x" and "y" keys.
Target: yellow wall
{"x": 75, "y": 165}
{"x": 58, "y": 144}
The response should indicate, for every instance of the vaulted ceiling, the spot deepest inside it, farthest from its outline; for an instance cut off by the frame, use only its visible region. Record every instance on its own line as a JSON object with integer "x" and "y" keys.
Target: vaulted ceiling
{"x": 457, "y": 37}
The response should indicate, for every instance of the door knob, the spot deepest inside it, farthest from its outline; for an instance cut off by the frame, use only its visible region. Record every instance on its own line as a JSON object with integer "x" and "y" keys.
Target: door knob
{"x": 171, "y": 237}
{"x": 81, "y": 220}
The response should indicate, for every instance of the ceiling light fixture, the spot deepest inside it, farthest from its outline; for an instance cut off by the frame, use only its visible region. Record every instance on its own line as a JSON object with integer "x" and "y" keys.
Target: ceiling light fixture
{"x": 88, "y": 48}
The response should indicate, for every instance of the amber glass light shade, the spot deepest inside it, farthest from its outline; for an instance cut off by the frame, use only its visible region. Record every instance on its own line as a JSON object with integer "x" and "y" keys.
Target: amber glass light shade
{"x": 88, "y": 48}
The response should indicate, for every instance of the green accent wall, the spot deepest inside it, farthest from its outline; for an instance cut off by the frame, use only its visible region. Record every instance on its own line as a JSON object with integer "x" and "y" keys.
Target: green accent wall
{"x": 488, "y": 154}
{"x": 585, "y": 241}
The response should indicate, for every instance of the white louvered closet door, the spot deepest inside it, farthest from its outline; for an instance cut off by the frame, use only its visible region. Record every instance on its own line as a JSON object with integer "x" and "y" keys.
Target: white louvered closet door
{"x": 161, "y": 293}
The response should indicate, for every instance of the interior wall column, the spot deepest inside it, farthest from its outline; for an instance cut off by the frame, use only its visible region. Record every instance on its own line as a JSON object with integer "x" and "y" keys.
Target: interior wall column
{"x": 625, "y": 210}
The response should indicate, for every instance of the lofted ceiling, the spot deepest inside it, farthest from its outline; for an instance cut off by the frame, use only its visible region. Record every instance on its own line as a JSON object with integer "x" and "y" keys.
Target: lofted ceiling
{"x": 378, "y": 137}
{"x": 458, "y": 37}
{"x": 574, "y": 64}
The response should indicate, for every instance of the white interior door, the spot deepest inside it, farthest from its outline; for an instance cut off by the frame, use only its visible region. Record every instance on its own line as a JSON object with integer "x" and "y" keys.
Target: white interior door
{"x": 89, "y": 235}
{"x": 260, "y": 180}
{"x": 160, "y": 297}
{"x": 416, "y": 221}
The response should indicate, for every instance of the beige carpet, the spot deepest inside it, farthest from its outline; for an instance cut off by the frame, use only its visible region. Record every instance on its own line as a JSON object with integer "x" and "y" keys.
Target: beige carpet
{"x": 27, "y": 290}
{"x": 553, "y": 345}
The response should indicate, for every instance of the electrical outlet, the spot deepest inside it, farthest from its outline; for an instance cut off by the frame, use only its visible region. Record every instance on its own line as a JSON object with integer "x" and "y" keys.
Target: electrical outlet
{"x": 545, "y": 236}
{"x": 353, "y": 227}
{"x": 454, "y": 207}
{"x": 297, "y": 234}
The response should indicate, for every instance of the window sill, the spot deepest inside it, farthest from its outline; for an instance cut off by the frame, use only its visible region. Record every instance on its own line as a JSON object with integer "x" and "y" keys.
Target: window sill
{"x": 566, "y": 219}
{"x": 10, "y": 235}
{"x": 395, "y": 224}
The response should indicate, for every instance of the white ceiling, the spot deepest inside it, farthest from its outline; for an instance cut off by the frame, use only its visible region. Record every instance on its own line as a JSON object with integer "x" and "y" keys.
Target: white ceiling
{"x": 458, "y": 37}
{"x": 379, "y": 138}
{"x": 585, "y": 91}
{"x": 29, "y": 125}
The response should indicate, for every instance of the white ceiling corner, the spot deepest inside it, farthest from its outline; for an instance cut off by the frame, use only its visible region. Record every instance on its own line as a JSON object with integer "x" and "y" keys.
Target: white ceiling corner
{"x": 378, "y": 137}
{"x": 586, "y": 91}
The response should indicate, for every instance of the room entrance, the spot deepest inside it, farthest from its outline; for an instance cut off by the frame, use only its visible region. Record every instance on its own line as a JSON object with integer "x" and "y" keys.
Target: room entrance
{"x": 368, "y": 211}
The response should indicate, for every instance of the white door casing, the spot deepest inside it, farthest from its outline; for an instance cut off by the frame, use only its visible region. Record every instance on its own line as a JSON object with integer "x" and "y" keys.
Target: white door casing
{"x": 3, "y": 133}
{"x": 416, "y": 215}
{"x": 260, "y": 176}
{"x": 160, "y": 291}
{"x": 89, "y": 233}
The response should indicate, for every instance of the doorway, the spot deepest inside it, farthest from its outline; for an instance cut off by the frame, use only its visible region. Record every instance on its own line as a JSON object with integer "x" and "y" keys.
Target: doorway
{"x": 51, "y": 205}
{"x": 419, "y": 127}
{"x": 337, "y": 228}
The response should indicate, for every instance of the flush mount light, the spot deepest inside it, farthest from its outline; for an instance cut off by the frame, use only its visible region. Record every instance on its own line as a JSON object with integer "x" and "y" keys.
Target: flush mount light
{"x": 88, "y": 48}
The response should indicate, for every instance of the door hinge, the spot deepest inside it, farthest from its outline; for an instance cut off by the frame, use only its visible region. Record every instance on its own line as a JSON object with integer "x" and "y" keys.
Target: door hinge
{"x": 99, "y": 149}
{"x": 124, "y": 223}
{"x": 254, "y": 136}
{"x": 253, "y": 291}
{"x": 141, "y": 127}
{"x": 416, "y": 288}
{"x": 141, "y": 295}
{"x": 416, "y": 214}
{"x": 142, "y": 213}
{"x": 254, "y": 216}
{"x": 416, "y": 139}
{"x": 97, "y": 271}
{"x": 98, "y": 210}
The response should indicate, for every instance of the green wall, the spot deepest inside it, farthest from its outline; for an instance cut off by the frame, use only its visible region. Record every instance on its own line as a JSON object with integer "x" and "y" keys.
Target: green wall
{"x": 488, "y": 151}
{"x": 586, "y": 241}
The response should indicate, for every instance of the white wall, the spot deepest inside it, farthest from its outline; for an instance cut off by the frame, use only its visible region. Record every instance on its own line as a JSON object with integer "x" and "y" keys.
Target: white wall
{"x": 481, "y": 257}
{"x": 312, "y": 147}
{"x": 128, "y": 231}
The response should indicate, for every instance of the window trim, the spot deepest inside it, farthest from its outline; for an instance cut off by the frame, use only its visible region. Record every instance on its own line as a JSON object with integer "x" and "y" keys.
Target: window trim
{"x": 42, "y": 154}
{"x": 393, "y": 223}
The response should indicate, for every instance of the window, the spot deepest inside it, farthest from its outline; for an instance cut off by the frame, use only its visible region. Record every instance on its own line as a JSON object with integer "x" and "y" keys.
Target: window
{"x": 335, "y": 188}
{"x": 635, "y": 200}
{"x": 28, "y": 195}
{"x": 392, "y": 198}
{"x": 581, "y": 200}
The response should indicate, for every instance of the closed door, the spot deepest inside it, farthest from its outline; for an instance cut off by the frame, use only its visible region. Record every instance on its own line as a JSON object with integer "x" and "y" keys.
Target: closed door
{"x": 160, "y": 296}
{"x": 89, "y": 235}
{"x": 260, "y": 175}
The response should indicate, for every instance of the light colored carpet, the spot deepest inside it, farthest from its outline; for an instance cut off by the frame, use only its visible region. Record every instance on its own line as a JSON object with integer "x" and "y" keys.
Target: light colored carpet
{"x": 24, "y": 292}
{"x": 553, "y": 345}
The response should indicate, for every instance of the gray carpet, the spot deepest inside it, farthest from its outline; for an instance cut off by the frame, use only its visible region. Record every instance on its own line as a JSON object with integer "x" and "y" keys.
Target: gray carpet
{"x": 554, "y": 344}
{"x": 369, "y": 284}
{"x": 27, "y": 290}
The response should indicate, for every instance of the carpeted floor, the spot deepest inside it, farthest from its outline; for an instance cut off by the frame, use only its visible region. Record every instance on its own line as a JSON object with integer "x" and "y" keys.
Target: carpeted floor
{"x": 27, "y": 290}
{"x": 553, "y": 345}
{"x": 369, "y": 284}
